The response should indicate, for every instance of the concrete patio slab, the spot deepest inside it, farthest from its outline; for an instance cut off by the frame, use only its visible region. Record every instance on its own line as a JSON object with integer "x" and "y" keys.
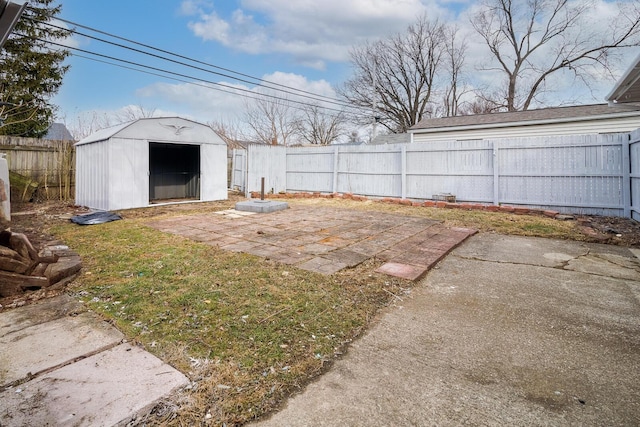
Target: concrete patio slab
{"x": 106, "y": 389}
{"x": 61, "y": 365}
{"x": 44, "y": 346}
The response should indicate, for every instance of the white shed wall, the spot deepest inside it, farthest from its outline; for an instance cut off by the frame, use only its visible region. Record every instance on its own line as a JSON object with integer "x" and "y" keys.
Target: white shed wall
{"x": 213, "y": 172}
{"x": 128, "y": 173}
{"x": 619, "y": 125}
{"x": 92, "y": 175}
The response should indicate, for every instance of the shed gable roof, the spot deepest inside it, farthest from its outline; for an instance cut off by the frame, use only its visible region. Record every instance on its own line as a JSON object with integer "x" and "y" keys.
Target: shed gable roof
{"x": 158, "y": 129}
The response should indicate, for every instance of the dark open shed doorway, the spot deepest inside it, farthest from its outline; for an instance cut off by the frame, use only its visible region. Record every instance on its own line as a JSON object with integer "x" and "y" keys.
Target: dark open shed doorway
{"x": 174, "y": 171}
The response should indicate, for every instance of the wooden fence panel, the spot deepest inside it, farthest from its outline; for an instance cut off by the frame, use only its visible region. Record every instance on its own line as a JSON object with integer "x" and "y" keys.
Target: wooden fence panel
{"x": 49, "y": 163}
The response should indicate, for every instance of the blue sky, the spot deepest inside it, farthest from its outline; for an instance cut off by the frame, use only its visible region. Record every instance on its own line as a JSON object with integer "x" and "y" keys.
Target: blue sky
{"x": 301, "y": 43}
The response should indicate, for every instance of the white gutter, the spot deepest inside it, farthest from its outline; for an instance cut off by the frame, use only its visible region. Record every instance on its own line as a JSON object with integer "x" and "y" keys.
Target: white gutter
{"x": 626, "y": 82}
{"x": 526, "y": 123}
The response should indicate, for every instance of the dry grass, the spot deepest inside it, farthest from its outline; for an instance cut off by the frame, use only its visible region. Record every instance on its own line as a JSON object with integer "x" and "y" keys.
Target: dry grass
{"x": 488, "y": 222}
{"x": 247, "y": 331}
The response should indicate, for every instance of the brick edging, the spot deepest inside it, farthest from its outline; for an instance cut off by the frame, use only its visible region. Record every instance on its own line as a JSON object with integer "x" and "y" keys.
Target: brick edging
{"x": 427, "y": 203}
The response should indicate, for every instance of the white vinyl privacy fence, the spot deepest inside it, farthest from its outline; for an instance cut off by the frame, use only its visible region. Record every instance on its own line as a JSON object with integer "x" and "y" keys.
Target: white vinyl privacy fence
{"x": 634, "y": 175}
{"x": 590, "y": 174}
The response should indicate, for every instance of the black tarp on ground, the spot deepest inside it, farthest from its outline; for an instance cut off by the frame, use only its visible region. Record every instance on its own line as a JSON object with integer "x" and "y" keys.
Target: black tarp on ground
{"x": 95, "y": 218}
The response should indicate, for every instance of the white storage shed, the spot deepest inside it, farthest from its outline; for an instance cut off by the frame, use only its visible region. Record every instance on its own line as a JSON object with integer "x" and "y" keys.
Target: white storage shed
{"x": 149, "y": 161}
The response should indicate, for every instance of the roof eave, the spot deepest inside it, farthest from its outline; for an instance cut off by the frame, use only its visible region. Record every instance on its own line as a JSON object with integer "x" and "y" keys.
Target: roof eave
{"x": 526, "y": 123}
{"x": 630, "y": 78}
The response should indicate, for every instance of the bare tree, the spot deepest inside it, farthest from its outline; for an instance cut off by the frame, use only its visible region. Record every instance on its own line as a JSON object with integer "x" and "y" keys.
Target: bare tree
{"x": 134, "y": 112}
{"x": 92, "y": 121}
{"x": 531, "y": 40}
{"x": 272, "y": 121}
{"x": 397, "y": 77}
{"x": 316, "y": 126}
{"x": 87, "y": 123}
{"x": 229, "y": 131}
{"x": 455, "y": 51}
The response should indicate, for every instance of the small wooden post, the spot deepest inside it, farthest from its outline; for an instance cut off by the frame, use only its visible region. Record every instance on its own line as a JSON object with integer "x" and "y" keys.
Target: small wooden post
{"x": 262, "y": 188}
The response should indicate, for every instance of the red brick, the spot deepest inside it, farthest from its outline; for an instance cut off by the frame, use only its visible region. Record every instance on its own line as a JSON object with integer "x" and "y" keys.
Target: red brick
{"x": 467, "y": 206}
{"x": 441, "y": 204}
{"x": 507, "y": 209}
{"x": 429, "y": 204}
{"x": 477, "y": 207}
{"x": 416, "y": 203}
{"x": 521, "y": 211}
{"x": 551, "y": 214}
{"x": 493, "y": 208}
{"x": 450, "y": 205}
{"x": 406, "y": 202}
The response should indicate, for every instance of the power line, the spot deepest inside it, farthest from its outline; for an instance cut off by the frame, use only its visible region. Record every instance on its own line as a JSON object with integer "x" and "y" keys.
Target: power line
{"x": 230, "y": 89}
{"x": 190, "y": 82}
{"x": 256, "y": 80}
{"x": 314, "y": 97}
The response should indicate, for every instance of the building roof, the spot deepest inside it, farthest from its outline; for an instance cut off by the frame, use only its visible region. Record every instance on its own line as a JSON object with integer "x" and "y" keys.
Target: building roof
{"x": 58, "y": 132}
{"x": 157, "y": 128}
{"x": 391, "y": 138}
{"x": 627, "y": 88}
{"x": 529, "y": 117}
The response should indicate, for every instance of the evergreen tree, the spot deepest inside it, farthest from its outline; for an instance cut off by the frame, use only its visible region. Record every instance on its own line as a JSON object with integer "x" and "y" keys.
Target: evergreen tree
{"x": 31, "y": 72}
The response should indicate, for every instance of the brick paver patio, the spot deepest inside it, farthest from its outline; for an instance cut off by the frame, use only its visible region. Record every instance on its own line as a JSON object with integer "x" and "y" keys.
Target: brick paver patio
{"x": 325, "y": 240}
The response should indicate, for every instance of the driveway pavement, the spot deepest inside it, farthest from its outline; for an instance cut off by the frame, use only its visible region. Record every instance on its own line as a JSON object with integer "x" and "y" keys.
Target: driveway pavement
{"x": 504, "y": 331}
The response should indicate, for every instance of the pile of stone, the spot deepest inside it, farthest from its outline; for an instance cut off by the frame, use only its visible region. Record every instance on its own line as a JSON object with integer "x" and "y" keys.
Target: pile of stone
{"x": 23, "y": 268}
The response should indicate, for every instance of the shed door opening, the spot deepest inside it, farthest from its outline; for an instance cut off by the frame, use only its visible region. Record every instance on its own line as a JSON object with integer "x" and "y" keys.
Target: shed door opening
{"x": 174, "y": 171}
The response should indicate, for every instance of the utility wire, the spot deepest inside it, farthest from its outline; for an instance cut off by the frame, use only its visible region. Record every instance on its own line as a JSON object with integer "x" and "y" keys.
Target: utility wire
{"x": 190, "y": 82}
{"x": 230, "y": 89}
{"x": 314, "y": 97}
{"x": 256, "y": 79}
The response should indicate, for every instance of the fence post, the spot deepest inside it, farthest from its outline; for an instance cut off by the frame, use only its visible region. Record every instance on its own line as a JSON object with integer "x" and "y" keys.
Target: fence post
{"x": 626, "y": 175}
{"x": 335, "y": 169}
{"x": 496, "y": 173}
{"x": 403, "y": 160}
{"x": 245, "y": 172}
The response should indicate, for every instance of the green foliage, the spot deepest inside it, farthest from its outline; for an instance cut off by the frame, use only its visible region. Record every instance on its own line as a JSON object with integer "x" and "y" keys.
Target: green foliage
{"x": 31, "y": 71}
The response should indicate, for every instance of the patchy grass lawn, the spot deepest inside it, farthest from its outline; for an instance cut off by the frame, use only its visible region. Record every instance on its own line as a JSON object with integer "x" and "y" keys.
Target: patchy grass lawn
{"x": 247, "y": 331}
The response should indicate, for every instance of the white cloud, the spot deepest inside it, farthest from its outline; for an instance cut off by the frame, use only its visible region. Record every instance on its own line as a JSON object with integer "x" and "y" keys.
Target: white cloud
{"x": 311, "y": 31}
{"x": 211, "y": 27}
{"x": 206, "y": 102}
